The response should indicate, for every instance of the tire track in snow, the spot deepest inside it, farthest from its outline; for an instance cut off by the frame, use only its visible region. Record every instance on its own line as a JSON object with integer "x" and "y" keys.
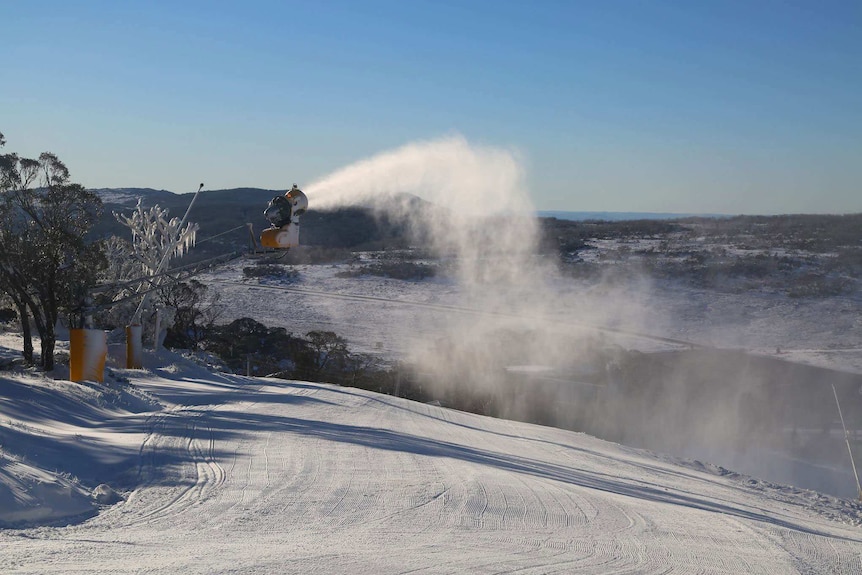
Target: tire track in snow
{"x": 180, "y": 501}
{"x": 518, "y": 511}
{"x": 165, "y": 496}
{"x": 199, "y": 471}
{"x": 260, "y": 488}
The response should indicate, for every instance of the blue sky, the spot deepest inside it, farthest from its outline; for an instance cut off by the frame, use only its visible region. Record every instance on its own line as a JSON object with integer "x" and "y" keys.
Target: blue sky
{"x": 692, "y": 106}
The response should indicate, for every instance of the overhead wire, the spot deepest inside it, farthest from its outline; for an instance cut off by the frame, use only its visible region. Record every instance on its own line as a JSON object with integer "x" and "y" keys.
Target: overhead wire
{"x": 221, "y": 234}
{"x": 230, "y": 256}
{"x": 197, "y": 268}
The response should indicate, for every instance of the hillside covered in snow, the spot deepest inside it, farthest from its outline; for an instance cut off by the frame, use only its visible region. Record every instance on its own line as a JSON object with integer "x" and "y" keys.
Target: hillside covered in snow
{"x": 217, "y": 473}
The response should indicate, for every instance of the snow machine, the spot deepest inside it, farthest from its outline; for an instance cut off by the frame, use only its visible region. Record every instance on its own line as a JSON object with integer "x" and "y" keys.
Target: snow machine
{"x": 283, "y": 214}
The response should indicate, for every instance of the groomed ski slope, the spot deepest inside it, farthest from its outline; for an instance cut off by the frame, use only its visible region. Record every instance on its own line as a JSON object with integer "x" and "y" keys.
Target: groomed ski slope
{"x": 244, "y": 475}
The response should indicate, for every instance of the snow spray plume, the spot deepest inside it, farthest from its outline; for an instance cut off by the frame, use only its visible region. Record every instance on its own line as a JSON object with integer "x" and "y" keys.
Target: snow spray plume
{"x": 480, "y": 204}
{"x": 523, "y": 354}
{"x": 480, "y": 220}
{"x": 519, "y": 352}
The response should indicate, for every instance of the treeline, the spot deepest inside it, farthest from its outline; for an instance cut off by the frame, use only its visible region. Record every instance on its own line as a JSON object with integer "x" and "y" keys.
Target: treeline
{"x": 246, "y": 346}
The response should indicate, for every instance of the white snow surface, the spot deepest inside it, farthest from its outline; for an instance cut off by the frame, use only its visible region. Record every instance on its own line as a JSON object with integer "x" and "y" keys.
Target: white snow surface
{"x": 248, "y": 475}
{"x": 218, "y": 473}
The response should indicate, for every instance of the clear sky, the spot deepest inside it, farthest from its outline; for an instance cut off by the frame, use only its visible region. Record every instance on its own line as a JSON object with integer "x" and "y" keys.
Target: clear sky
{"x": 750, "y": 106}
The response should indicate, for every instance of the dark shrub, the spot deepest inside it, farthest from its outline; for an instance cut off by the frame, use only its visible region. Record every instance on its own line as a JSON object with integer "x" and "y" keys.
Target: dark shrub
{"x": 8, "y": 315}
{"x": 270, "y": 271}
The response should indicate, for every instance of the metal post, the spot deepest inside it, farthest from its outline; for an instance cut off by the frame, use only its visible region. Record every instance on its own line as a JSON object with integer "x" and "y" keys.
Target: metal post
{"x": 847, "y": 440}
{"x": 252, "y": 244}
{"x": 157, "y": 328}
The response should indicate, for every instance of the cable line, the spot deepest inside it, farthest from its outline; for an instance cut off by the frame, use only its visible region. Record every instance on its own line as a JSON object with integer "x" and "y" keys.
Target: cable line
{"x": 220, "y": 234}
{"x": 231, "y": 256}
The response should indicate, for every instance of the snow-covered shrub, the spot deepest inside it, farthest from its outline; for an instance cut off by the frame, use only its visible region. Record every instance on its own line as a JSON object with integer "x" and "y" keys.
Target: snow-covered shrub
{"x": 394, "y": 270}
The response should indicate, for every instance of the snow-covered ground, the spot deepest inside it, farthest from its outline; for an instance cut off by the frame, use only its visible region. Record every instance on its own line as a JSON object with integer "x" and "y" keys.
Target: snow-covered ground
{"x": 220, "y": 473}
{"x": 826, "y": 332}
{"x": 643, "y": 314}
{"x": 244, "y": 475}
{"x": 747, "y": 314}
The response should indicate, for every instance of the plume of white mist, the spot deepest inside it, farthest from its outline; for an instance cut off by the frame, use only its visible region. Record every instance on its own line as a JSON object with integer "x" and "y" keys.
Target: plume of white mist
{"x": 450, "y": 172}
{"x": 481, "y": 222}
{"x": 481, "y": 214}
{"x": 525, "y": 315}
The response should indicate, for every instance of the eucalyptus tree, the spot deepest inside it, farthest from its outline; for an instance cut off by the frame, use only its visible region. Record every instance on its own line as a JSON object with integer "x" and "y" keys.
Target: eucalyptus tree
{"x": 46, "y": 262}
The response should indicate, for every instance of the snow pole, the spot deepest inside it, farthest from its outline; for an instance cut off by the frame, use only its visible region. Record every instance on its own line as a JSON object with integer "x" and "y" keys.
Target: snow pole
{"x": 88, "y": 349}
{"x": 134, "y": 346}
{"x": 252, "y": 243}
{"x": 157, "y": 329}
{"x": 847, "y": 440}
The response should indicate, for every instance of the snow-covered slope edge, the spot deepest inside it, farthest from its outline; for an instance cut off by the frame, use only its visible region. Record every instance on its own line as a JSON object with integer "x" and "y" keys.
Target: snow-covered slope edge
{"x": 31, "y": 495}
{"x": 60, "y": 441}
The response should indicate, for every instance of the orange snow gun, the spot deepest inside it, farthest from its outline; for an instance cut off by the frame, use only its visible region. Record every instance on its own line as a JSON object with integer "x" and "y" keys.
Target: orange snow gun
{"x": 283, "y": 214}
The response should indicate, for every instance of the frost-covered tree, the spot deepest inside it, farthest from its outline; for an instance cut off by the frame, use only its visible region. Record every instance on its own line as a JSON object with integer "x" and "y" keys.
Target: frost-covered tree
{"x": 155, "y": 237}
{"x": 155, "y": 240}
{"x": 114, "y": 301}
{"x": 121, "y": 264}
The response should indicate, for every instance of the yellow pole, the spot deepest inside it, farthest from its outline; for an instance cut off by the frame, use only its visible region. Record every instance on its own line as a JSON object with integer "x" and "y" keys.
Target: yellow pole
{"x": 88, "y": 349}
{"x": 134, "y": 346}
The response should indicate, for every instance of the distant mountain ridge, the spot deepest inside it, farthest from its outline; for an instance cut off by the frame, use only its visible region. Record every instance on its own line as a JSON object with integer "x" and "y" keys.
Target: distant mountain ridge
{"x": 123, "y": 196}
{"x": 223, "y": 215}
{"x": 129, "y": 196}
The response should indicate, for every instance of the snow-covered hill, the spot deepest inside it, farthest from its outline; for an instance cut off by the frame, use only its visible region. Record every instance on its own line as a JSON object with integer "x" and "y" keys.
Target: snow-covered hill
{"x": 242, "y": 475}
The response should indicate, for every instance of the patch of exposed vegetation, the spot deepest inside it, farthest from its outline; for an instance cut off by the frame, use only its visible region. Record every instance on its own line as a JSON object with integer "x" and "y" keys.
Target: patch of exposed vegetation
{"x": 247, "y": 346}
{"x": 393, "y": 270}
{"x": 271, "y": 271}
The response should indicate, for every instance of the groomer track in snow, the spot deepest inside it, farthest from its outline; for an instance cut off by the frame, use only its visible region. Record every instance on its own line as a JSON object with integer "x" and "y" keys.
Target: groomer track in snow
{"x": 244, "y": 475}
